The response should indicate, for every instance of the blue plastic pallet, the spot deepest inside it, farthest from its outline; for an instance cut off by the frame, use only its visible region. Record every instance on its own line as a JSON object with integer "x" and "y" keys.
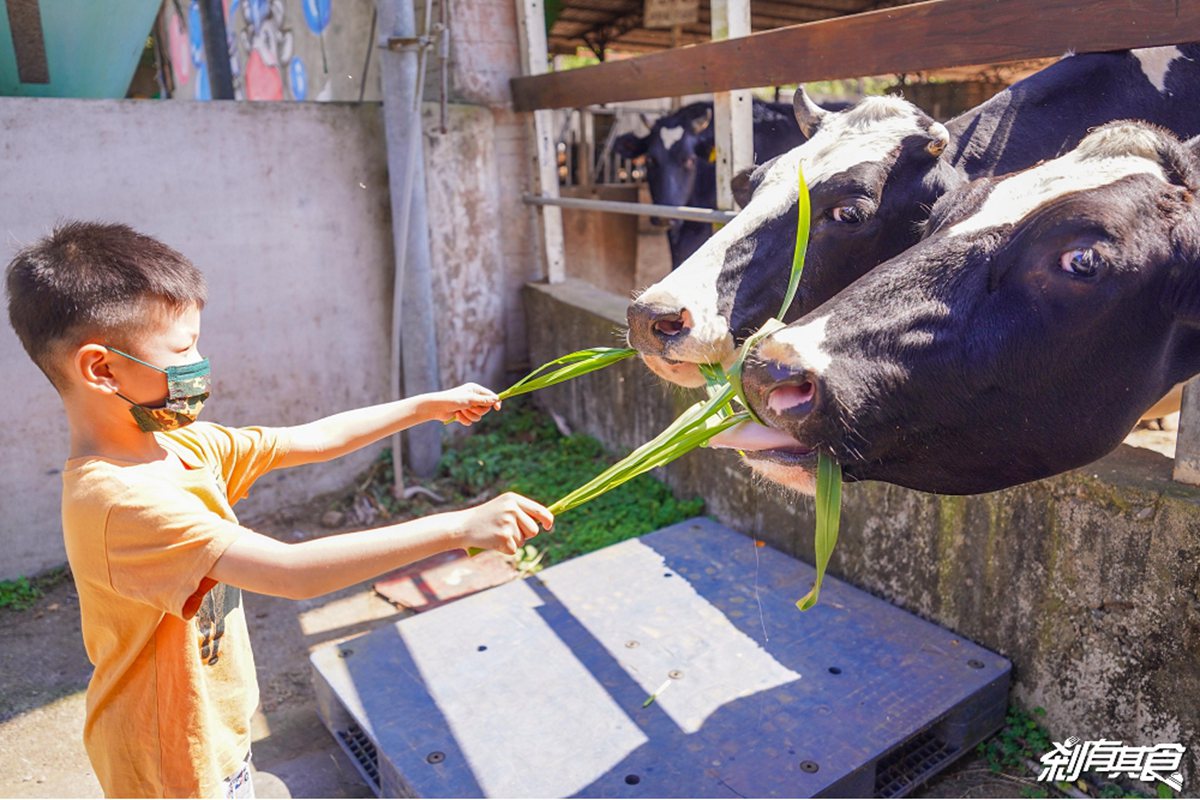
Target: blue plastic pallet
{"x": 542, "y": 687}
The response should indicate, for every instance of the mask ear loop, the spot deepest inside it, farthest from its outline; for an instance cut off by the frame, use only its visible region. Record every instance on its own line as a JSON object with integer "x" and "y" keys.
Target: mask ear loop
{"x": 131, "y": 358}
{"x": 134, "y": 358}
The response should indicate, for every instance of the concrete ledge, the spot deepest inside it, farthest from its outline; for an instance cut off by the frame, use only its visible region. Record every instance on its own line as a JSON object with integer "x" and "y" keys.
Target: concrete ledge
{"x": 1089, "y": 582}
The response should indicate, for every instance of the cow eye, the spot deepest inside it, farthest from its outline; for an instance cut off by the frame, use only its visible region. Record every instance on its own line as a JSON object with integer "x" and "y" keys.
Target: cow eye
{"x": 849, "y": 215}
{"x": 1083, "y": 262}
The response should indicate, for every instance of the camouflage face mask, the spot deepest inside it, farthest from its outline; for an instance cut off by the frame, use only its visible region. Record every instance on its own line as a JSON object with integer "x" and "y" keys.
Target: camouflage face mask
{"x": 187, "y": 389}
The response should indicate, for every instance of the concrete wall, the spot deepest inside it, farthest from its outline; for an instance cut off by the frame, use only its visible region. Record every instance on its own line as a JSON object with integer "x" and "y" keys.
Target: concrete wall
{"x": 283, "y": 207}
{"x": 1089, "y": 582}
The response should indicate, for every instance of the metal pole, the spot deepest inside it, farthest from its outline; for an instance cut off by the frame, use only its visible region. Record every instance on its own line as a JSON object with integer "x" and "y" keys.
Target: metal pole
{"x": 216, "y": 49}
{"x": 414, "y": 346}
{"x": 639, "y": 209}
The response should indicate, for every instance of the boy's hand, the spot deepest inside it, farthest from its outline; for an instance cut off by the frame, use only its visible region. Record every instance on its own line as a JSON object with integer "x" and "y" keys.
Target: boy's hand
{"x": 467, "y": 403}
{"x": 503, "y": 523}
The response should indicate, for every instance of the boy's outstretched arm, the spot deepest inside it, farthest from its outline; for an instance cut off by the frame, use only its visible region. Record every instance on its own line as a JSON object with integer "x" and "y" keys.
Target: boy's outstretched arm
{"x": 344, "y": 433}
{"x": 258, "y": 563}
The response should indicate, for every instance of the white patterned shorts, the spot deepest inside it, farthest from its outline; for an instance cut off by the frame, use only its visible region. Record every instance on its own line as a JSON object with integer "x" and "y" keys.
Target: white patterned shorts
{"x": 239, "y": 785}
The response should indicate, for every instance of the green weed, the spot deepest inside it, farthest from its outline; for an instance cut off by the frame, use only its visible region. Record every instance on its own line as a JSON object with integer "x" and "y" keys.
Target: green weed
{"x": 520, "y": 450}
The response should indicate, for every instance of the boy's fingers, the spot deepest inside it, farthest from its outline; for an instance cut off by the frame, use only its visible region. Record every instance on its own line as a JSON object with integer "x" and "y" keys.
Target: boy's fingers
{"x": 527, "y": 524}
{"x": 536, "y": 510}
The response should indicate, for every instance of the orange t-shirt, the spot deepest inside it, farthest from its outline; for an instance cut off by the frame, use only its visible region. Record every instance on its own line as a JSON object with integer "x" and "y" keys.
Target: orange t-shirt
{"x": 170, "y": 700}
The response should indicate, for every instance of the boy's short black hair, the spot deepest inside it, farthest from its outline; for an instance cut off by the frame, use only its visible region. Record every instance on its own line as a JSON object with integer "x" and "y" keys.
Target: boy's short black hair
{"x": 88, "y": 280}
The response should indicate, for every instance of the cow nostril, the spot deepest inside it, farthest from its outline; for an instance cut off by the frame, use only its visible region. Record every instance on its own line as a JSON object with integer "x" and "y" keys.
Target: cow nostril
{"x": 669, "y": 324}
{"x": 789, "y": 396}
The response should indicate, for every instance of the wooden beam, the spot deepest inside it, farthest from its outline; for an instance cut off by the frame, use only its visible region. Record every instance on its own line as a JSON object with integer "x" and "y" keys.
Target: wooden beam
{"x": 923, "y": 36}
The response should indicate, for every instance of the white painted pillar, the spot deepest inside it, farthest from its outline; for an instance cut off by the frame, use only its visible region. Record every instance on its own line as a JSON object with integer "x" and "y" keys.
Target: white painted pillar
{"x": 531, "y": 30}
{"x": 732, "y": 111}
{"x": 1187, "y": 445}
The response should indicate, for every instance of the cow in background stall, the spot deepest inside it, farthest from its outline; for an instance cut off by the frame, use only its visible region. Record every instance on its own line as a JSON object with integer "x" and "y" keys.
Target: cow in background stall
{"x": 680, "y": 168}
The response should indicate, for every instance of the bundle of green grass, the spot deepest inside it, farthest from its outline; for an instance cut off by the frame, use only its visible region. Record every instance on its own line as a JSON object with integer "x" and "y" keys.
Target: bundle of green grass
{"x": 724, "y": 408}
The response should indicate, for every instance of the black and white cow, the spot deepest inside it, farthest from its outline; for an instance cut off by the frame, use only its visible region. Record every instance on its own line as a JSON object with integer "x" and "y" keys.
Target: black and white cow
{"x": 873, "y": 172}
{"x": 1043, "y": 313}
{"x": 679, "y": 168}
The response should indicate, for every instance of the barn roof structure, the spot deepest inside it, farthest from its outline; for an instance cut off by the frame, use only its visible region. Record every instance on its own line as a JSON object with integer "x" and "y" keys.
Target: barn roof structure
{"x": 614, "y": 28}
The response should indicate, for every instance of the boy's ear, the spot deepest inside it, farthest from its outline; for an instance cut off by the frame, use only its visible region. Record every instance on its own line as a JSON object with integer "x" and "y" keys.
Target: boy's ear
{"x": 90, "y": 365}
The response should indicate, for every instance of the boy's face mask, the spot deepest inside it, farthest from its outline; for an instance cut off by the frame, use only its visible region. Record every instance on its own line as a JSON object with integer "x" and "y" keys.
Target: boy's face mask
{"x": 187, "y": 389}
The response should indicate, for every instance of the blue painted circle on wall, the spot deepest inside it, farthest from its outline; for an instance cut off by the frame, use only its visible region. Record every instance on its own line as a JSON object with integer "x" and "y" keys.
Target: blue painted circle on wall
{"x": 299, "y": 79}
{"x": 195, "y": 34}
{"x": 316, "y": 14}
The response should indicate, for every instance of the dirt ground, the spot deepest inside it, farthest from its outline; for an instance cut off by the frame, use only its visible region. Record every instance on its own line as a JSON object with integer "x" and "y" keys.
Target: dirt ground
{"x": 44, "y": 672}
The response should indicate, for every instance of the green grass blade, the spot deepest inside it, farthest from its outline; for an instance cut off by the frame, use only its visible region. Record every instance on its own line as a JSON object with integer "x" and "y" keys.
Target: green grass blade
{"x": 802, "y": 225}
{"x": 829, "y": 513}
{"x": 564, "y": 368}
{"x": 690, "y": 430}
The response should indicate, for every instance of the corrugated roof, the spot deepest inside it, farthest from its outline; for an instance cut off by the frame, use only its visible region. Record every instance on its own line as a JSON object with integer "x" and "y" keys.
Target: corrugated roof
{"x": 617, "y": 24}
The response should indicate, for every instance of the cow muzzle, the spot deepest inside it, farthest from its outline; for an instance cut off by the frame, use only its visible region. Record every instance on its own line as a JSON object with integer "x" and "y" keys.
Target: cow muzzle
{"x": 654, "y": 328}
{"x": 780, "y": 393}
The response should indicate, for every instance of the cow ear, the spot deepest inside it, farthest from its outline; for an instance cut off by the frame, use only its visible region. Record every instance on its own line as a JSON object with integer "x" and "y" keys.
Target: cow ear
{"x": 700, "y": 123}
{"x": 808, "y": 114}
{"x": 743, "y": 186}
{"x": 939, "y": 137}
{"x": 630, "y": 145}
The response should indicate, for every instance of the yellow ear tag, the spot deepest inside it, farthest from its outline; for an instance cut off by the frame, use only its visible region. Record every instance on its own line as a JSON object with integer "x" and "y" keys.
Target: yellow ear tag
{"x": 712, "y": 156}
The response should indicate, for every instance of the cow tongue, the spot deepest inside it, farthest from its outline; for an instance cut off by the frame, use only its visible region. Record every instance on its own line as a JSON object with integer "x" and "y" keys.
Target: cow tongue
{"x": 752, "y": 436}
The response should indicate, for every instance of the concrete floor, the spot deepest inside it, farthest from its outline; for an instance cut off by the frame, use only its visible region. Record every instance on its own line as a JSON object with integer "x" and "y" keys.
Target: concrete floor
{"x": 44, "y": 672}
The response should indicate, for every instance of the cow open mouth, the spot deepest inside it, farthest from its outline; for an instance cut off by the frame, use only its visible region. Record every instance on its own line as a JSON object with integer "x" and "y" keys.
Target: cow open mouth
{"x": 760, "y": 443}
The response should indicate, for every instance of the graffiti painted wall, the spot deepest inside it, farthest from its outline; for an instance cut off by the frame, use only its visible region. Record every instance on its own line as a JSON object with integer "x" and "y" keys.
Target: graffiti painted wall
{"x": 278, "y": 49}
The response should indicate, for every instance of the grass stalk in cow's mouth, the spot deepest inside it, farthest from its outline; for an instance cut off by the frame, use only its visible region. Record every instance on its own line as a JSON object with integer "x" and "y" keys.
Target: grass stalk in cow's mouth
{"x": 703, "y": 420}
{"x": 829, "y": 472}
{"x": 691, "y": 429}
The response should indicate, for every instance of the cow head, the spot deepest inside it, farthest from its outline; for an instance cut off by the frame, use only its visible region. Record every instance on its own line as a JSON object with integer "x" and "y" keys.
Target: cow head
{"x": 676, "y": 152}
{"x": 872, "y": 170}
{"x": 1023, "y": 337}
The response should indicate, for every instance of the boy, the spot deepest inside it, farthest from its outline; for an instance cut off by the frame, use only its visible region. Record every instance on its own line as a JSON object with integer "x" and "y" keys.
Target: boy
{"x": 112, "y": 318}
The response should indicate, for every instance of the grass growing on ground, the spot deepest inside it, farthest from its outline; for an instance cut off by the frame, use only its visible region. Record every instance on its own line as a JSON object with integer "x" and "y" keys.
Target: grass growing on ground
{"x": 1016, "y": 751}
{"x": 519, "y": 449}
{"x": 22, "y": 593}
